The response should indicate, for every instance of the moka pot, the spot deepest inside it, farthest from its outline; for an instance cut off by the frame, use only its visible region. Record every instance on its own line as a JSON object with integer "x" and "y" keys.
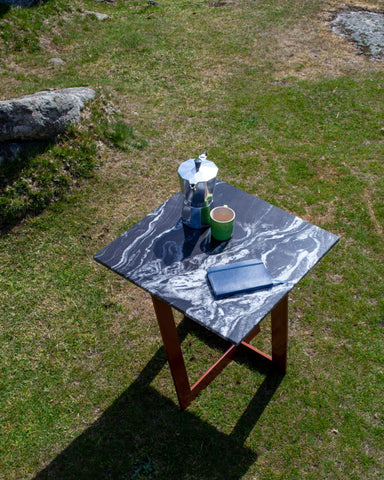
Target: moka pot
{"x": 197, "y": 179}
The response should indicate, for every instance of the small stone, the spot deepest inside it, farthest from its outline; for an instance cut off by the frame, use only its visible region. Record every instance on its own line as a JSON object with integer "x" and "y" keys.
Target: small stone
{"x": 99, "y": 16}
{"x": 56, "y": 61}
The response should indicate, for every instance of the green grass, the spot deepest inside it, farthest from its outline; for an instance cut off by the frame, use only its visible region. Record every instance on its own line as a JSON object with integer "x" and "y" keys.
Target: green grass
{"x": 85, "y": 391}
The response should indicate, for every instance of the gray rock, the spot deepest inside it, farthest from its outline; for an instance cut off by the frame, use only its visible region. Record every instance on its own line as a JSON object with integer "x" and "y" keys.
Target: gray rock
{"x": 99, "y": 16}
{"x": 42, "y": 115}
{"x": 56, "y": 61}
{"x": 20, "y": 3}
{"x": 363, "y": 28}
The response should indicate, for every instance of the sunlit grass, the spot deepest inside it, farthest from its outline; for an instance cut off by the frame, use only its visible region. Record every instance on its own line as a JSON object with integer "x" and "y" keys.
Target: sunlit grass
{"x": 85, "y": 389}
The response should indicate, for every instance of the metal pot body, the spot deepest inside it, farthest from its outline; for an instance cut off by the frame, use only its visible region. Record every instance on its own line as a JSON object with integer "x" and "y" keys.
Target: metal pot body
{"x": 197, "y": 181}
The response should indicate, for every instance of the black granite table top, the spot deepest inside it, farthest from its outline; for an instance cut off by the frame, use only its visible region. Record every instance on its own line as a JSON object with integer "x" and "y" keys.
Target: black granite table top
{"x": 169, "y": 260}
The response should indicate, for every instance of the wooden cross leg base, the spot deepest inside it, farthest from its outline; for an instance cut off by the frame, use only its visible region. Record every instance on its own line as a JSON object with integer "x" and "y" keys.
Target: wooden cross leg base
{"x": 185, "y": 393}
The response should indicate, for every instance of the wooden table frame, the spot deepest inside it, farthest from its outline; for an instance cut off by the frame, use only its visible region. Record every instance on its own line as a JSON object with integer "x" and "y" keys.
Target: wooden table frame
{"x": 185, "y": 393}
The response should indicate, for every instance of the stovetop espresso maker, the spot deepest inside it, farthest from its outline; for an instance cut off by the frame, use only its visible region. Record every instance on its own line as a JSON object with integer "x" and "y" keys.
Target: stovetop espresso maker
{"x": 197, "y": 178}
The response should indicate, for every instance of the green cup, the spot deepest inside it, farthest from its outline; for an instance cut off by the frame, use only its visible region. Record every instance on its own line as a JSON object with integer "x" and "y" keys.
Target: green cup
{"x": 222, "y": 221}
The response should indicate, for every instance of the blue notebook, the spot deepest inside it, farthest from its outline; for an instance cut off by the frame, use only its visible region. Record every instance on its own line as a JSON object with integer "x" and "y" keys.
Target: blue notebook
{"x": 239, "y": 277}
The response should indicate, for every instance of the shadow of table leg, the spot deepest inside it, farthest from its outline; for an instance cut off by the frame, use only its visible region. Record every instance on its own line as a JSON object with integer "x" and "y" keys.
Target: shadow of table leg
{"x": 256, "y": 406}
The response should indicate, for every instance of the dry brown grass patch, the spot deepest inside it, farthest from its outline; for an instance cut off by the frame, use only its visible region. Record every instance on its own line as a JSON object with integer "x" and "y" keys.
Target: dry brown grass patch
{"x": 311, "y": 49}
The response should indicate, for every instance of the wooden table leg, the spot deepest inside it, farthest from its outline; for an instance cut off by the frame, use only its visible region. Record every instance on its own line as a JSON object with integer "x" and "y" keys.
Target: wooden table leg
{"x": 173, "y": 351}
{"x": 171, "y": 341}
{"x": 279, "y": 321}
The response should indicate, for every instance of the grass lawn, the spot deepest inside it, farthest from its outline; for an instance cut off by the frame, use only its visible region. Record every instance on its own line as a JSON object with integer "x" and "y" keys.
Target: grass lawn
{"x": 289, "y": 112}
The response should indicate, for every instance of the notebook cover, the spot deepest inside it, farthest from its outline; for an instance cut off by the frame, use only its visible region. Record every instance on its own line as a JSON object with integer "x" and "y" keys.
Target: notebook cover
{"x": 239, "y": 277}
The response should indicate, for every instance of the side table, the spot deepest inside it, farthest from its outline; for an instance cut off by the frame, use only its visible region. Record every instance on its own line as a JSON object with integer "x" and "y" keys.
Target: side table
{"x": 169, "y": 261}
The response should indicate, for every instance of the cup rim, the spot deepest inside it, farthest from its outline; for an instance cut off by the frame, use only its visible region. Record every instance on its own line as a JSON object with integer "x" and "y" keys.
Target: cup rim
{"x": 226, "y": 208}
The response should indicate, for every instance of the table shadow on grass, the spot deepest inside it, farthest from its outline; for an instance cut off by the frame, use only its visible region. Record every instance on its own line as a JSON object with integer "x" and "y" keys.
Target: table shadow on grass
{"x": 145, "y": 435}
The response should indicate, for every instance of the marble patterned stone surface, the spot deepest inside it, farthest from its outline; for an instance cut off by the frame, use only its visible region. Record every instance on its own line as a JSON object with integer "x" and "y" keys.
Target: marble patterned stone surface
{"x": 170, "y": 260}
